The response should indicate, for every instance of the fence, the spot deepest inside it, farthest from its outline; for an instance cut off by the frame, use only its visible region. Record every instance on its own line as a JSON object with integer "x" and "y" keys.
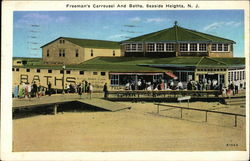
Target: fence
{"x": 206, "y": 112}
{"x": 163, "y": 93}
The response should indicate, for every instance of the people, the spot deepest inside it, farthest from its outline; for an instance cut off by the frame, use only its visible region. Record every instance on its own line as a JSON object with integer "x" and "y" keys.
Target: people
{"x": 179, "y": 85}
{"x": 105, "y": 90}
{"x": 90, "y": 90}
{"x": 79, "y": 89}
{"x": 49, "y": 89}
{"x": 34, "y": 90}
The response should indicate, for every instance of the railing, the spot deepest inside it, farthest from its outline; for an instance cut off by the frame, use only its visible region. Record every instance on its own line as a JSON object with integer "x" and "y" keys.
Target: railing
{"x": 163, "y": 93}
{"x": 206, "y": 112}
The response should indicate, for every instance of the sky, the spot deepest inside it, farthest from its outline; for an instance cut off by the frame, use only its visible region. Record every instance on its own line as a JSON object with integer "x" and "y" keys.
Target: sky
{"x": 33, "y": 29}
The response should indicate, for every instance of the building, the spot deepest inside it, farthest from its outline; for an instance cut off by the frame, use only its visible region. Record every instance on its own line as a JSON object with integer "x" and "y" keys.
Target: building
{"x": 66, "y": 50}
{"x": 177, "y": 41}
{"x": 175, "y": 53}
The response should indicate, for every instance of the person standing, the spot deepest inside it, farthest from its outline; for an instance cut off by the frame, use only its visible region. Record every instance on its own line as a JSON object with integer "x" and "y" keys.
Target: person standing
{"x": 34, "y": 89}
{"x": 90, "y": 90}
{"x": 79, "y": 89}
{"x": 49, "y": 89}
{"x": 21, "y": 92}
{"x": 105, "y": 90}
{"x": 15, "y": 92}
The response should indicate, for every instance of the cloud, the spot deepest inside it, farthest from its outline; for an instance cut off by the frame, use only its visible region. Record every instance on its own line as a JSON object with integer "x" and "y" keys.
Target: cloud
{"x": 217, "y": 25}
{"x": 105, "y": 27}
{"x": 61, "y": 19}
{"x": 117, "y": 36}
{"x": 155, "y": 20}
{"x": 37, "y": 16}
{"x": 135, "y": 19}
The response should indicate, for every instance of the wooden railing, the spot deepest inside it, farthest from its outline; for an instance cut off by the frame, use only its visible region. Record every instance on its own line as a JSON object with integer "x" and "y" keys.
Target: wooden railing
{"x": 163, "y": 93}
{"x": 206, "y": 112}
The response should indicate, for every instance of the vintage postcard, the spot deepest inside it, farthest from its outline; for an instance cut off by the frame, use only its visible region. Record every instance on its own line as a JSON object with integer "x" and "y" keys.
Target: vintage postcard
{"x": 125, "y": 80}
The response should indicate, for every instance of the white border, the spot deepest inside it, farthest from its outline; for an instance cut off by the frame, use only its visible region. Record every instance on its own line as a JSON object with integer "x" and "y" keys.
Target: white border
{"x": 6, "y": 101}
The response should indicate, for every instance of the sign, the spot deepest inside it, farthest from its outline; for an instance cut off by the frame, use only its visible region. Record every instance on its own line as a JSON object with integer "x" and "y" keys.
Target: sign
{"x": 184, "y": 98}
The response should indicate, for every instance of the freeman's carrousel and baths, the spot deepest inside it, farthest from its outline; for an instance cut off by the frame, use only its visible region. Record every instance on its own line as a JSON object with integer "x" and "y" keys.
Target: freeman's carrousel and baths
{"x": 174, "y": 58}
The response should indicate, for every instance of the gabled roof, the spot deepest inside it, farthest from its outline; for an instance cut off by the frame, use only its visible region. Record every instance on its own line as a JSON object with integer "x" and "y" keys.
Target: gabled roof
{"x": 141, "y": 64}
{"x": 178, "y": 34}
{"x": 90, "y": 43}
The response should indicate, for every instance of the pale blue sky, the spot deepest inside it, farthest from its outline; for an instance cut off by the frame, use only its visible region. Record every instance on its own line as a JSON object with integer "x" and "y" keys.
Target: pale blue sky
{"x": 116, "y": 26}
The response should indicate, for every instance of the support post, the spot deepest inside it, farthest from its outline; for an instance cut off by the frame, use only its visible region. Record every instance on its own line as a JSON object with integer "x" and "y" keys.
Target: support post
{"x": 235, "y": 120}
{"x": 158, "y": 109}
{"x": 181, "y": 112}
{"x": 55, "y": 109}
{"x": 206, "y": 117}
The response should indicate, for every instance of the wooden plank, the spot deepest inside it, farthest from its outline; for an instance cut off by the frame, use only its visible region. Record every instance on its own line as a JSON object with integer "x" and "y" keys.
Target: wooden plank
{"x": 104, "y": 104}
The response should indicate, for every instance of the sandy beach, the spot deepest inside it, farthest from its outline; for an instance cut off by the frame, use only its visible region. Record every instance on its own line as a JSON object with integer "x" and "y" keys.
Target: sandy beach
{"x": 137, "y": 129}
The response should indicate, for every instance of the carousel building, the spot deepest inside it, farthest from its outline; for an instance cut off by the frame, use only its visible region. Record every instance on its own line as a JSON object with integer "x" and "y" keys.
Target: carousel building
{"x": 174, "y": 53}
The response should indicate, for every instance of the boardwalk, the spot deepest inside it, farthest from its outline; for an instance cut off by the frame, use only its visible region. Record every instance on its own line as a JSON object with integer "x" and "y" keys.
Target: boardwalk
{"x": 61, "y": 99}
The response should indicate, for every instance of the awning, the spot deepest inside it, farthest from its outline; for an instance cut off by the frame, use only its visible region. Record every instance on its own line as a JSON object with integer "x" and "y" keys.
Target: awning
{"x": 171, "y": 75}
{"x": 135, "y": 73}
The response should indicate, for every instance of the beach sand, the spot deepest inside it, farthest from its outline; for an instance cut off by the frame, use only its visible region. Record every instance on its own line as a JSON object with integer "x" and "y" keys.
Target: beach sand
{"x": 137, "y": 129}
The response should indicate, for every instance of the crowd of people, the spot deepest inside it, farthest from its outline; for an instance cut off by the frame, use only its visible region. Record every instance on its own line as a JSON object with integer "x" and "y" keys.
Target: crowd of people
{"x": 205, "y": 84}
{"x": 28, "y": 90}
{"x": 80, "y": 88}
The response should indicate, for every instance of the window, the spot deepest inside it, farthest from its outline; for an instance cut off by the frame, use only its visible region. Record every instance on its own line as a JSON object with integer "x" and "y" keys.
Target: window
{"x": 61, "y": 41}
{"x": 61, "y": 71}
{"x": 193, "y": 47}
{"x": 202, "y": 47}
{"x": 159, "y": 47}
{"x": 133, "y": 47}
{"x": 63, "y": 52}
{"x": 81, "y": 72}
{"x": 92, "y": 52}
{"x": 214, "y": 47}
{"x": 77, "y": 53}
{"x": 60, "y": 52}
{"x": 17, "y": 69}
{"x": 183, "y": 47}
{"x": 47, "y": 52}
{"x": 68, "y": 71}
{"x": 27, "y": 70}
{"x": 169, "y": 47}
{"x": 127, "y": 47}
{"x": 13, "y": 69}
{"x": 38, "y": 70}
{"x": 113, "y": 52}
{"x": 151, "y": 47}
{"x": 94, "y": 73}
{"x": 139, "y": 47}
{"x": 226, "y": 47}
{"x": 220, "y": 47}
{"x": 114, "y": 80}
{"x": 49, "y": 71}
{"x": 243, "y": 74}
{"x": 103, "y": 73}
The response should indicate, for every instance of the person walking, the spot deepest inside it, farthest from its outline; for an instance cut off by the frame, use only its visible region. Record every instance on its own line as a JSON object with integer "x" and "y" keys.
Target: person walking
{"x": 49, "y": 89}
{"x": 79, "y": 89}
{"x": 34, "y": 89}
{"x": 105, "y": 90}
{"x": 90, "y": 91}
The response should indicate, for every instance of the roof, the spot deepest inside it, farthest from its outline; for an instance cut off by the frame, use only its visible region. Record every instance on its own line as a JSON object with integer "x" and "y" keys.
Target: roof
{"x": 142, "y": 64}
{"x": 90, "y": 43}
{"x": 179, "y": 34}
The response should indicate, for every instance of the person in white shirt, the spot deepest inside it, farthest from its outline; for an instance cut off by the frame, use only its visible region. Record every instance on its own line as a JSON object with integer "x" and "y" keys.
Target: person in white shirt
{"x": 180, "y": 85}
{"x": 90, "y": 90}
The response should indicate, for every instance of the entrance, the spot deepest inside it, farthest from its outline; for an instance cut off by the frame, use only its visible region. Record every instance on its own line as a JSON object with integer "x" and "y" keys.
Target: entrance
{"x": 220, "y": 78}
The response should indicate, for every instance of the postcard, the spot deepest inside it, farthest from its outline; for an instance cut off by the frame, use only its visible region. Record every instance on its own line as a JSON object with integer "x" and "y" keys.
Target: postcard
{"x": 125, "y": 80}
